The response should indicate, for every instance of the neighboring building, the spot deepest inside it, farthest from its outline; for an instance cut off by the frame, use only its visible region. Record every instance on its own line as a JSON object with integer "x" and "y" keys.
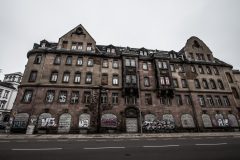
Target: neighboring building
{"x": 77, "y": 85}
{"x": 8, "y": 93}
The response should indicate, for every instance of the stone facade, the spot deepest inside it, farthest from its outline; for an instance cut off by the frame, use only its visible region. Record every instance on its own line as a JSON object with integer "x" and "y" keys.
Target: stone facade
{"x": 82, "y": 87}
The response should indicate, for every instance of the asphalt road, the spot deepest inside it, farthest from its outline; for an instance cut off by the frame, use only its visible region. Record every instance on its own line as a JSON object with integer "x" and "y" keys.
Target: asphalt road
{"x": 200, "y": 148}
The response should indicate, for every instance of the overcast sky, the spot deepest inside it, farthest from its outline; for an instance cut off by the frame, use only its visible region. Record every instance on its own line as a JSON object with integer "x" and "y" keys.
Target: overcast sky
{"x": 153, "y": 24}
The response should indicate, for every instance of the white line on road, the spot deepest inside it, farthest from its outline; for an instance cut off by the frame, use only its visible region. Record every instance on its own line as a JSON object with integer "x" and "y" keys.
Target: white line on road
{"x": 106, "y": 148}
{"x": 42, "y": 140}
{"x": 35, "y": 149}
{"x": 210, "y": 144}
{"x": 161, "y": 146}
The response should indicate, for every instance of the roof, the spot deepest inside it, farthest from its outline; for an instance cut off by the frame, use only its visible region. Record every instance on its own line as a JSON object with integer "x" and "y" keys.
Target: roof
{"x": 8, "y": 85}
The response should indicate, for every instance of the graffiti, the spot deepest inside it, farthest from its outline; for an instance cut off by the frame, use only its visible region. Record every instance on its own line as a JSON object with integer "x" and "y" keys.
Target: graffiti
{"x": 109, "y": 120}
{"x": 20, "y": 121}
{"x": 83, "y": 123}
{"x": 48, "y": 122}
{"x": 223, "y": 122}
{"x": 158, "y": 125}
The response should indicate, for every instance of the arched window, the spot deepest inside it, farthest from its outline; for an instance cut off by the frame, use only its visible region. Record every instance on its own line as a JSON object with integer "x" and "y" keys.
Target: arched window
{"x": 213, "y": 84}
{"x": 205, "y": 84}
{"x": 220, "y": 84}
{"x": 235, "y": 92}
{"x": 229, "y": 77}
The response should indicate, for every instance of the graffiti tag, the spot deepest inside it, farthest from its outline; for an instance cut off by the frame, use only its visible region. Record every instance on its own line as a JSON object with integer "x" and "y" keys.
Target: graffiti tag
{"x": 48, "y": 122}
{"x": 158, "y": 125}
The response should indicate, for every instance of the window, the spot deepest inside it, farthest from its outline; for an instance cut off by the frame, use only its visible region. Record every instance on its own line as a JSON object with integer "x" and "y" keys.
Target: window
{"x": 50, "y": 96}
{"x": 226, "y": 101}
{"x": 57, "y": 60}
{"x": 115, "y": 80}
{"x": 201, "y": 100}
{"x": 215, "y": 70}
{"x": 188, "y": 100}
{"x": 162, "y": 65}
{"x": 1, "y": 90}
{"x": 180, "y": 68}
{"x": 105, "y": 63}
{"x": 184, "y": 83}
{"x": 90, "y": 62}
{"x": 64, "y": 44}
{"x": 213, "y": 84}
{"x": 208, "y": 70}
{"x": 134, "y": 79}
{"x": 38, "y": 59}
{"x": 74, "y": 97}
{"x": 128, "y": 78}
{"x": 229, "y": 77}
{"x": 145, "y": 66}
{"x": 127, "y": 62}
{"x": 54, "y": 77}
{"x": 179, "y": 99}
{"x": 193, "y": 69}
{"x": 33, "y": 76}
{"x": 88, "y": 78}
{"x": 74, "y": 45}
{"x": 66, "y": 76}
{"x": 79, "y": 61}
{"x": 6, "y": 93}
{"x": 2, "y": 104}
{"x": 27, "y": 96}
{"x": 191, "y": 56}
{"x": 115, "y": 64}
{"x": 235, "y": 92}
{"x": 62, "y": 97}
{"x": 218, "y": 100}
{"x": 162, "y": 81}
{"x": 162, "y": 100}
{"x": 108, "y": 50}
{"x": 220, "y": 84}
{"x": 69, "y": 60}
{"x": 133, "y": 63}
{"x": 141, "y": 53}
{"x": 200, "y": 69}
{"x": 130, "y": 100}
{"x": 146, "y": 82}
{"x": 104, "y": 98}
{"x": 210, "y": 101}
{"x": 209, "y": 57}
{"x": 89, "y": 47}
{"x": 205, "y": 84}
{"x": 79, "y": 46}
{"x": 197, "y": 83}
{"x": 104, "y": 79}
{"x": 148, "y": 99}
{"x": 175, "y": 83}
{"x": 87, "y": 97}
{"x": 172, "y": 67}
{"x": 167, "y": 80}
{"x": 114, "y": 98}
{"x": 77, "y": 77}
{"x": 113, "y": 50}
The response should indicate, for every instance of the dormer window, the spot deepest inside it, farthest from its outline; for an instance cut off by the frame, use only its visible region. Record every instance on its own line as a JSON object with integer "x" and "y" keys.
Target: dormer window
{"x": 89, "y": 47}
{"x": 145, "y": 53}
{"x": 43, "y": 45}
{"x": 113, "y": 50}
{"x": 108, "y": 50}
{"x": 141, "y": 53}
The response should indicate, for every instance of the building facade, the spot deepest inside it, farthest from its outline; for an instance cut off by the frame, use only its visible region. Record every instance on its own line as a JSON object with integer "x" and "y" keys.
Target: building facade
{"x": 75, "y": 86}
{"x": 8, "y": 93}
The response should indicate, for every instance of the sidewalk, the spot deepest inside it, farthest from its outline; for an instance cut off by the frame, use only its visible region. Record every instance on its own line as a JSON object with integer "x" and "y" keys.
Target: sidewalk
{"x": 104, "y": 136}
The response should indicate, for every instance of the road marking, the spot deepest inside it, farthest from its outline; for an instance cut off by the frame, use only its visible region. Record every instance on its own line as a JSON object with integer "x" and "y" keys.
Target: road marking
{"x": 210, "y": 144}
{"x": 22, "y": 141}
{"x": 82, "y": 140}
{"x": 101, "y": 140}
{"x": 106, "y": 148}
{"x": 4, "y": 141}
{"x": 161, "y": 146}
{"x": 35, "y": 149}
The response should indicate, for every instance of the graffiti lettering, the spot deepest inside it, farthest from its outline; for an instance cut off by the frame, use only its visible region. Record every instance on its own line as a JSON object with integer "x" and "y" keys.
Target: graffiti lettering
{"x": 223, "y": 122}
{"x": 158, "y": 125}
{"x": 83, "y": 123}
{"x": 48, "y": 122}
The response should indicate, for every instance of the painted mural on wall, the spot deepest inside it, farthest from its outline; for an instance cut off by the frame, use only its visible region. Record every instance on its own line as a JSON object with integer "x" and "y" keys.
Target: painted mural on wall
{"x": 109, "y": 120}
{"x": 187, "y": 121}
{"x": 84, "y": 120}
{"x": 45, "y": 120}
{"x": 64, "y": 124}
{"x": 232, "y": 120}
{"x": 20, "y": 121}
{"x": 151, "y": 124}
{"x": 207, "y": 123}
{"x": 131, "y": 125}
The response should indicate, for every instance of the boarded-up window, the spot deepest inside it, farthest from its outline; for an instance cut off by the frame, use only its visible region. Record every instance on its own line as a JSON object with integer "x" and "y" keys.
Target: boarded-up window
{"x": 104, "y": 79}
